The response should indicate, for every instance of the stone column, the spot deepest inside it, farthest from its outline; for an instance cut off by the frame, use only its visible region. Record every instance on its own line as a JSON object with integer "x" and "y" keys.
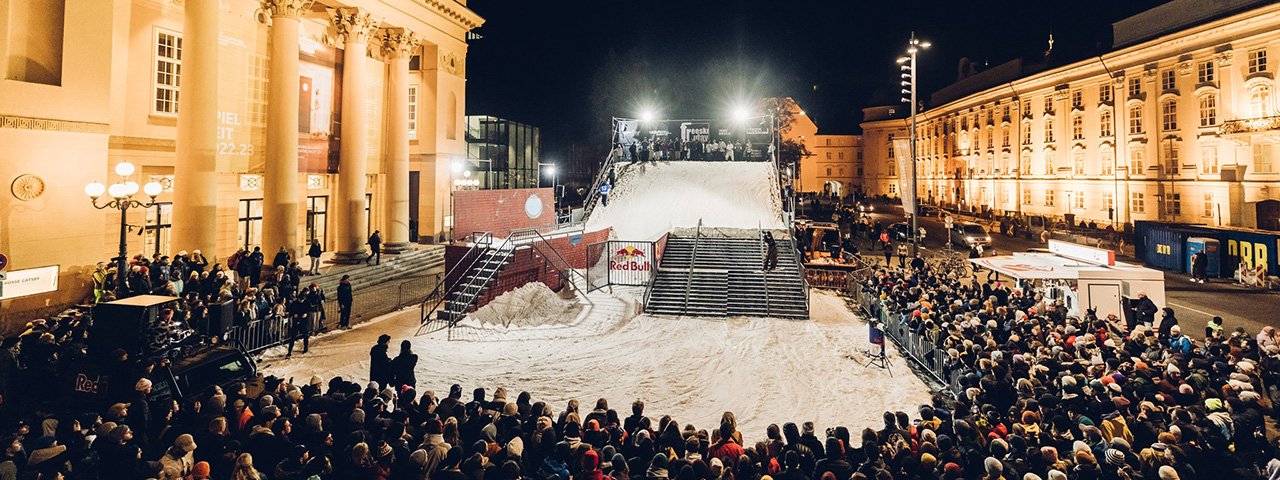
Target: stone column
{"x": 398, "y": 44}
{"x": 280, "y": 206}
{"x": 195, "y": 190}
{"x": 354, "y": 27}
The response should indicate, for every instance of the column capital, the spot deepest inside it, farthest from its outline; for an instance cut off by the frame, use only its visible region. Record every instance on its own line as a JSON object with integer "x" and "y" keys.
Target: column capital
{"x": 354, "y": 25}
{"x": 283, "y": 8}
{"x": 399, "y": 42}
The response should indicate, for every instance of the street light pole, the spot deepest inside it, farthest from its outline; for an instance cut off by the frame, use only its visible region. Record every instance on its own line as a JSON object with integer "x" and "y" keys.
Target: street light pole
{"x": 914, "y": 47}
{"x": 122, "y": 193}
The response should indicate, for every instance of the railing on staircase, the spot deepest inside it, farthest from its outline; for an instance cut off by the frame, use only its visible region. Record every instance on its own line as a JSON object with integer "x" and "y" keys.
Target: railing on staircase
{"x": 469, "y": 292}
{"x": 693, "y": 260}
{"x": 481, "y": 242}
{"x": 659, "y": 249}
{"x": 593, "y": 195}
{"x": 795, "y": 258}
{"x": 541, "y": 245}
{"x": 764, "y": 272}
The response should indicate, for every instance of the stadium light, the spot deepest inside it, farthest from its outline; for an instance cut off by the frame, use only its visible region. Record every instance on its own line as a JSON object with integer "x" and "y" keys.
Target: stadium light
{"x": 741, "y": 113}
{"x": 647, "y": 115}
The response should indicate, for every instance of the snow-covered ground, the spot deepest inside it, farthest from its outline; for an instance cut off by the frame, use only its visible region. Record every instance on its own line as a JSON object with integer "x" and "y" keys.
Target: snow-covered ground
{"x": 764, "y": 370}
{"x": 651, "y": 199}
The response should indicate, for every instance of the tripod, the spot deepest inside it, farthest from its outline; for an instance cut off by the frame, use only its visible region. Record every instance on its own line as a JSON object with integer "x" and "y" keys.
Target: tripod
{"x": 878, "y": 359}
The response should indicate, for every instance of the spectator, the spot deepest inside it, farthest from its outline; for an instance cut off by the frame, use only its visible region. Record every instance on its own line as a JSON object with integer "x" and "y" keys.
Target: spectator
{"x": 375, "y": 248}
{"x": 344, "y": 302}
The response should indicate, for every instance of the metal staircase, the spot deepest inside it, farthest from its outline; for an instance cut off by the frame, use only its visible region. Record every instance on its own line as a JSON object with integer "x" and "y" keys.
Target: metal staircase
{"x": 718, "y": 277}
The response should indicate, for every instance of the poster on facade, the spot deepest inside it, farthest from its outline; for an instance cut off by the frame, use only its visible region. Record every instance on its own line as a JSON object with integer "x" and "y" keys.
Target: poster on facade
{"x": 31, "y": 281}
{"x": 630, "y": 263}
{"x": 906, "y": 184}
{"x": 317, "y": 94}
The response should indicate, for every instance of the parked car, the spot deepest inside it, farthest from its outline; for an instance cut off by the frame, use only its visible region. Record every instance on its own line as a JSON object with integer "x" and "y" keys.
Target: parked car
{"x": 902, "y": 231}
{"x": 865, "y": 207}
{"x": 968, "y": 235}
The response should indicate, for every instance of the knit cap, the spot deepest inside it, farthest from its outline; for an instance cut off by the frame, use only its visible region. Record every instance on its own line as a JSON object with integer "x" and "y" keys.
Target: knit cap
{"x": 1114, "y": 457}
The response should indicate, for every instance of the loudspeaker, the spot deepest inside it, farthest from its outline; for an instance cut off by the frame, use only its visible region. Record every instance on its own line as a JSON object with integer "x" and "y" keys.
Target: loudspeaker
{"x": 221, "y": 318}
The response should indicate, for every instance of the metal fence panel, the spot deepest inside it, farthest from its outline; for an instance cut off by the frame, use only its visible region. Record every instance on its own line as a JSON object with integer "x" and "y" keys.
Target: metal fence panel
{"x": 597, "y": 266}
{"x": 630, "y": 263}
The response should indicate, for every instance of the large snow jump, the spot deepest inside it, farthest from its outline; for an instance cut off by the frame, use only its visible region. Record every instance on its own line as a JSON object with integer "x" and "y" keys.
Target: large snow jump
{"x": 650, "y": 199}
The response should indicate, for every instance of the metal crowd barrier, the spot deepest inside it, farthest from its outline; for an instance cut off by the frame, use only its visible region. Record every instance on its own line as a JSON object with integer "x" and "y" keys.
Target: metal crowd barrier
{"x": 915, "y": 346}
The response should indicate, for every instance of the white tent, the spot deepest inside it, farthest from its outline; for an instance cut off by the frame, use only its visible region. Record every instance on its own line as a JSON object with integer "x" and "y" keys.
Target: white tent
{"x": 1083, "y": 277}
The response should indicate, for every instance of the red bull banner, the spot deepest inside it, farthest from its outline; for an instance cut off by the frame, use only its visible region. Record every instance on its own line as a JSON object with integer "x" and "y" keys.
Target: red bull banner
{"x": 630, "y": 263}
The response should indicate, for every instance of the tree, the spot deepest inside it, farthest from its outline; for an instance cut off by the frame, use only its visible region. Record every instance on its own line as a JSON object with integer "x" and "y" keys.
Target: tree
{"x": 784, "y": 109}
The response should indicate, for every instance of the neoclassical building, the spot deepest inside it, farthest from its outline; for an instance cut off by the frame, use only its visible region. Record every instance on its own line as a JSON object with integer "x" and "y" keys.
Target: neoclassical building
{"x": 1178, "y": 122}
{"x": 834, "y": 163}
{"x": 268, "y": 122}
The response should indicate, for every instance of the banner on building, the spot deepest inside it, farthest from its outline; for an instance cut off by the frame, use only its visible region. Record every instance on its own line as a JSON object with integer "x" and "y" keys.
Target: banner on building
{"x": 906, "y": 184}
{"x": 32, "y": 281}
{"x": 630, "y": 263}
{"x": 694, "y": 139}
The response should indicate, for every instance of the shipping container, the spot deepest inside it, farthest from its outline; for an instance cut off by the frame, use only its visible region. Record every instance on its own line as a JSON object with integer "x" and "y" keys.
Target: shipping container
{"x": 1250, "y": 248}
{"x": 1161, "y": 245}
{"x": 1164, "y": 247}
{"x": 1213, "y": 253}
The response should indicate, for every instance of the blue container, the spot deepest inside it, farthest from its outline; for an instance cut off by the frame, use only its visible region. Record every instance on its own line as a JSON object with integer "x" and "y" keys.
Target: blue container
{"x": 1248, "y": 247}
{"x": 1164, "y": 247}
{"x": 1211, "y": 248}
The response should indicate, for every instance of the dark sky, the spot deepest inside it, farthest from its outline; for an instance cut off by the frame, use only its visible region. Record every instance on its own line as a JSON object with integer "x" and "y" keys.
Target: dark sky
{"x": 541, "y": 62}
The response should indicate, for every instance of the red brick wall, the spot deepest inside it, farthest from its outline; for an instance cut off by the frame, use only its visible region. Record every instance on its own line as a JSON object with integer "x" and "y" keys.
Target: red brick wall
{"x": 574, "y": 248}
{"x": 527, "y": 265}
{"x": 499, "y": 211}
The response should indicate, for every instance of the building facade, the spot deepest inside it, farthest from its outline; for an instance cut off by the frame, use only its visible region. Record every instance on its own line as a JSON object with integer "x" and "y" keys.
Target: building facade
{"x": 269, "y": 122}
{"x": 834, "y": 163}
{"x": 504, "y": 153}
{"x": 1175, "y": 125}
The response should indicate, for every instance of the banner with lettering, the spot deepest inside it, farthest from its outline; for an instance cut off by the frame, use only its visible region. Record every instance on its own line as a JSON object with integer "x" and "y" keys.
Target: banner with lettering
{"x": 906, "y": 184}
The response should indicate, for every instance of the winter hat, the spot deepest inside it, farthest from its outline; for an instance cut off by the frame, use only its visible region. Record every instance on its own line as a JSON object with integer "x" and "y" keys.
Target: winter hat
{"x": 201, "y": 470}
{"x": 1031, "y": 476}
{"x": 659, "y": 461}
{"x": 1248, "y": 396}
{"x": 1167, "y": 473}
{"x": 952, "y": 469}
{"x": 185, "y": 443}
{"x": 928, "y": 460}
{"x": 418, "y": 457}
{"x": 994, "y": 467}
{"x": 1057, "y": 475}
{"x": 316, "y": 381}
{"x": 1114, "y": 457}
{"x": 384, "y": 450}
{"x": 142, "y": 385}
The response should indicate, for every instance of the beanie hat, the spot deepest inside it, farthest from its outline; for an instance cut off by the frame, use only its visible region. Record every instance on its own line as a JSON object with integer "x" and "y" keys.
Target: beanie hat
{"x": 994, "y": 467}
{"x": 1167, "y": 473}
{"x": 1031, "y": 476}
{"x": 201, "y": 470}
{"x": 1057, "y": 475}
{"x": 1114, "y": 457}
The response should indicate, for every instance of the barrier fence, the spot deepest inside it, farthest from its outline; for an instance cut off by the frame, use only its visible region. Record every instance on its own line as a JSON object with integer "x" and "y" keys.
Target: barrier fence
{"x": 258, "y": 335}
{"x": 918, "y": 346}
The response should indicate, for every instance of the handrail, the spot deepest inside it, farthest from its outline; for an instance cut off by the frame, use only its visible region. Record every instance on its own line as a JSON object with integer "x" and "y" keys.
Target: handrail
{"x": 693, "y": 260}
{"x": 488, "y": 277}
{"x": 486, "y": 239}
{"x": 594, "y": 194}
{"x": 795, "y": 258}
{"x": 534, "y": 232}
{"x": 764, "y": 272}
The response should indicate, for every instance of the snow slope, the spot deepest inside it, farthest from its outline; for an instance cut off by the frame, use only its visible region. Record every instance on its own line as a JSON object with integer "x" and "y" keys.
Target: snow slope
{"x": 764, "y": 370}
{"x": 650, "y": 199}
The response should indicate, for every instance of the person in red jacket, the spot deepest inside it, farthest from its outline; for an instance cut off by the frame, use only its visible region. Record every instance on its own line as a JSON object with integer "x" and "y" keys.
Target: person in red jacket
{"x": 726, "y": 449}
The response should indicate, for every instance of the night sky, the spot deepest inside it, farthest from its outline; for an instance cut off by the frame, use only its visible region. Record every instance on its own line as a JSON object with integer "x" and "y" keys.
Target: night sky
{"x": 557, "y": 64}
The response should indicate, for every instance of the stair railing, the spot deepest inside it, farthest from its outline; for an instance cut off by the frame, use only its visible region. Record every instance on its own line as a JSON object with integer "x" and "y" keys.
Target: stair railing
{"x": 804, "y": 279}
{"x": 693, "y": 262}
{"x": 480, "y": 243}
{"x": 593, "y": 196}
{"x": 764, "y": 272}
{"x": 466, "y": 296}
{"x": 565, "y": 269}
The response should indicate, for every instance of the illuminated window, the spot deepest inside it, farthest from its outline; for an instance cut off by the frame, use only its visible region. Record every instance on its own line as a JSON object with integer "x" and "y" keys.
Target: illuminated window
{"x": 1048, "y": 130}
{"x": 1209, "y": 159}
{"x": 1258, "y": 60}
{"x": 1077, "y": 158}
{"x": 168, "y": 72}
{"x": 1048, "y": 197}
{"x": 1208, "y": 110}
{"x": 1137, "y": 202}
{"x": 1026, "y": 196}
{"x": 1169, "y": 115}
{"x": 1169, "y": 156}
{"x": 1108, "y": 201}
{"x": 413, "y": 112}
{"x": 1262, "y": 158}
{"x": 1079, "y": 200}
{"x": 1026, "y": 133}
{"x": 1104, "y": 92}
{"x": 1135, "y": 85}
{"x": 1104, "y": 123}
{"x": 1260, "y": 100}
{"x": 1077, "y": 127}
{"x": 1135, "y": 119}
{"x": 1004, "y": 136}
{"x": 1168, "y": 80}
{"x": 1048, "y": 104}
{"x": 1137, "y": 156}
{"x": 1077, "y": 99}
{"x": 1107, "y": 161}
{"x": 1173, "y": 204}
{"x": 1025, "y": 165}
{"x": 1205, "y": 72}
{"x": 1208, "y": 205}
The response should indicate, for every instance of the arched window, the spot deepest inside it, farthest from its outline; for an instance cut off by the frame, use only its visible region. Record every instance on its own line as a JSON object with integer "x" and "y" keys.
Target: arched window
{"x": 1208, "y": 110}
{"x": 1260, "y": 100}
{"x": 1135, "y": 119}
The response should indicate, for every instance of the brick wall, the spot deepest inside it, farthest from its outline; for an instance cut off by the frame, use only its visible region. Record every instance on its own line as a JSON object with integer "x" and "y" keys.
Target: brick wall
{"x": 500, "y": 211}
{"x": 527, "y": 265}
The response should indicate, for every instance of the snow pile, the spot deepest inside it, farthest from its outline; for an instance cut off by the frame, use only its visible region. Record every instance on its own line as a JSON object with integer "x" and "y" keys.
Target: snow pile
{"x": 694, "y": 369}
{"x": 531, "y": 305}
{"x": 650, "y": 199}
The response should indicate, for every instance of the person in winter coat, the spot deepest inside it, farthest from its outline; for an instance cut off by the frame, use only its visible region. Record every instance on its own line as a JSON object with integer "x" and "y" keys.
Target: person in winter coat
{"x": 281, "y": 259}
{"x": 726, "y": 449}
{"x": 375, "y": 248}
{"x": 313, "y": 253}
{"x": 402, "y": 367}
{"x": 1145, "y": 309}
{"x": 380, "y": 361}
{"x": 178, "y": 461}
{"x": 344, "y": 302}
{"x": 1167, "y": 322}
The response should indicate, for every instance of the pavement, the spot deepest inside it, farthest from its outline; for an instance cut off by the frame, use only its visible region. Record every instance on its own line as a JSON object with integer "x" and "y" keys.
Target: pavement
{"x": 1193, "y": 303}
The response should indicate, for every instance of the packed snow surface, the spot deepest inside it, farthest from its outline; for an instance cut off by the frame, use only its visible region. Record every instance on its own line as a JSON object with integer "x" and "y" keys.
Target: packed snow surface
{"x": 650, "y": 199}
{"x": 764, "y": 370}
{"x": 530, "y": 305}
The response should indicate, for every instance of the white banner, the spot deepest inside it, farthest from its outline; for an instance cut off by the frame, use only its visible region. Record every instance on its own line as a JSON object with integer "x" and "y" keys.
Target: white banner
{"x": 20, "y": 283}
{"x": 906, "y": 185}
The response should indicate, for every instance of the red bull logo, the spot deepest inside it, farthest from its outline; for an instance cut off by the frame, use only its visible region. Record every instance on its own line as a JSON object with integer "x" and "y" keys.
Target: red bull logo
{"x": 629, "y": 258}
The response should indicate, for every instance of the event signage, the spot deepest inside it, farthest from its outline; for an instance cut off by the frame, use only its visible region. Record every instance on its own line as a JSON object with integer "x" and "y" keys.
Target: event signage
{"x": 630, "y": 263}
{"x": 1095, "y": 256}
{"x": 32, "y": 281}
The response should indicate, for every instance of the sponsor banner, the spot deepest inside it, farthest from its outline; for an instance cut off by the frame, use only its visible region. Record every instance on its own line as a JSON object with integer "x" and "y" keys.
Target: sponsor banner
{"x": 630, "y": 263}
{"x": 906, "y": 184}
{"x": 745, "y": 140}
{"x": 32, "y": 281}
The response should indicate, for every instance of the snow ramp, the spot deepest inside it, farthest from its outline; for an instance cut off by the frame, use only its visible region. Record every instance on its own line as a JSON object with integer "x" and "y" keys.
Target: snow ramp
{"x": 650, "y": 199}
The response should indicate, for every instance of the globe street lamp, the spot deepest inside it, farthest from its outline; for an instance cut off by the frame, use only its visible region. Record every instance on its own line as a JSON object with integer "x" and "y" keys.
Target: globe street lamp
{"x": 122, "y": 193}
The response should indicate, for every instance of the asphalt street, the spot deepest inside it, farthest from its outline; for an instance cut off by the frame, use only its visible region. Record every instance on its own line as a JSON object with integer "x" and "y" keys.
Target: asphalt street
{"x": 1194, "y": 304}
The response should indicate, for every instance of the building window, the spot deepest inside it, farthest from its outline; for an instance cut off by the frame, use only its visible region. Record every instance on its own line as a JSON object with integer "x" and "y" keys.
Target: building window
{"x": 1025, "y": 165}
{"x": 1048, "y": 197}
{"x": 317, "y": 219}
{"x": 1258, "y": 60}
{"x": 1079, "y": 200}
{"x": 1026, "y": 196}
{"x": 1169, "y": 156}
{"x": 893, "y": 189}
{"x": 1048, "y": 130}
{"x": 1260, "y": 100}
{"x": 1108, "y": 202}
{"x": 1104, "y": 123}
{"x": 413, "y": 112}
{"x": 1077, "y": 127}
{"x": 1135, "y": 85}
{"x": 1209, "y": 159}
{"x": 890, "y": 143}
{"x": 840, "y": 155}
{"x": 258, "y": 90}
{"x": 1048, "y": 104}
{"x": 1137, "y": 156}
{"x": 828, "y": 171}
{"x": 1168, "y": 80}
{"x": 168, "y": 72}
{"x": 828, "y": 142}
{"x": 1208, "y": 110}
{"x": 1026, "y": 133}
{"x": 1208, "y": 205}
{"x": 1173, "y": 204}
{"x": 1205, "y": 73}
{"x": 1135, "y": 119}
{"x": 1137, "y": 202}
{"x": 1262, "y": 158}
{"x": 250, "y": 231}
{"x": 1169, "y": 115}
{"x": 1077, "y": 158}
{"x": 1104, "y": 92}
{"x": 1004, "y": 136}
{"x": 1077, "y": 99}
{"x": 828, "y": 155}
{"x": 1107, "y": 161}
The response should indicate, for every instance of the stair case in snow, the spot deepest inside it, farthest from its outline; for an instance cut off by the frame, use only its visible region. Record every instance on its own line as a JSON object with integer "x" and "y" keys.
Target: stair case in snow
{"x": 718, "y": 277}
{"x": 474, "y": 272}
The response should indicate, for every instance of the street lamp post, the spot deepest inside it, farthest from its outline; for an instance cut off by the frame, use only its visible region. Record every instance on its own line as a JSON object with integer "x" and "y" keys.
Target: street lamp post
{"x": 909, "y": 68}
{"x": 555, "y": 182}
{"x": 122, "y": 193}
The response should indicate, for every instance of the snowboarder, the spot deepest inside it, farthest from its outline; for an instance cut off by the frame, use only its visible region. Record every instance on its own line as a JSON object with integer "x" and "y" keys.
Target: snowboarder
{"x": 770, "y": 252}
